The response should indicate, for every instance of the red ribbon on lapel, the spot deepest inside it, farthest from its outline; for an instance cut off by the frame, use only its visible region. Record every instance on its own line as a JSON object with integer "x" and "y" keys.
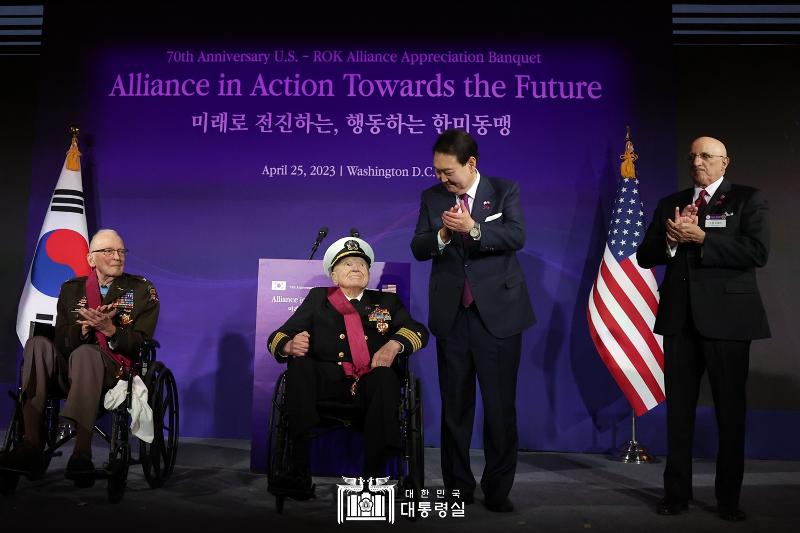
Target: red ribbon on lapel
{"x": 355, "y": 334}
{"x": 93, "y": 300}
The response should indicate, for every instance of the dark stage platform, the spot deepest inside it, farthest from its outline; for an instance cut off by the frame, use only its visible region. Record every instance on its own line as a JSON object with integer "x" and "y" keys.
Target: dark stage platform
{"x": 212, "y": 489}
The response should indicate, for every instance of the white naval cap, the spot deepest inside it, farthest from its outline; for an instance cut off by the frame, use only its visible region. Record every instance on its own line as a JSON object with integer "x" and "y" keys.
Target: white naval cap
{"x": 347, "y": 247}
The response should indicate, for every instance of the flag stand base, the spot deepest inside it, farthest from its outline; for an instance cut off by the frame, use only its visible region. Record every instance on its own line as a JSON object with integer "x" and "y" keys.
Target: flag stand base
{"x": 633, "y": 452}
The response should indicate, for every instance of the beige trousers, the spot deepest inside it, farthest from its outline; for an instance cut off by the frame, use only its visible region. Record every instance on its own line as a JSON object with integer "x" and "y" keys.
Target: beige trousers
{"x": 82, "y": 378}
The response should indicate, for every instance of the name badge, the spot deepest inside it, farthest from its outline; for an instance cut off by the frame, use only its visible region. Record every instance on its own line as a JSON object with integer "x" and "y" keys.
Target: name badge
{"x": 716, "y": 221}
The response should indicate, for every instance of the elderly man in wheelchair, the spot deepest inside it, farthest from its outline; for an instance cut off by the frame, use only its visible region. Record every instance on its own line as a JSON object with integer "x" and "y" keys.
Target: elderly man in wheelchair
{"x": 341, "y": 344}
{"x": 103, "y": 320}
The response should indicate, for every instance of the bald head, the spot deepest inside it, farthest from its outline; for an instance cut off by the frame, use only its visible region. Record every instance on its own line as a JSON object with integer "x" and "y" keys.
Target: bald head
{"x": 107, "y": 255}
{"x": 708, "y": 160}
{"x": 710, "y": 143}
{"x": 104, "y": 235}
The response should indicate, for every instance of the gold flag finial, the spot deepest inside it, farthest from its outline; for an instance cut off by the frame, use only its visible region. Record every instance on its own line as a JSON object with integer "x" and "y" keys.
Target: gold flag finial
{"x": 627, "y": 169}
{"x": 73, "y": 155}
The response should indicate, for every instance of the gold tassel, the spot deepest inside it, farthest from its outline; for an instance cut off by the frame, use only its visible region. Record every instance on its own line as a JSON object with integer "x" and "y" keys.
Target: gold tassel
{"x": 73, "y": 155}
{"x": 627, "y": 169}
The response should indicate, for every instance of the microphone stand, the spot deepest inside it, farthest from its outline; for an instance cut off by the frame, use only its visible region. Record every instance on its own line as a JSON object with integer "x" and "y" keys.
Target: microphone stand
{"x": 314, "y": 249}
{"x": 323, "y": 232}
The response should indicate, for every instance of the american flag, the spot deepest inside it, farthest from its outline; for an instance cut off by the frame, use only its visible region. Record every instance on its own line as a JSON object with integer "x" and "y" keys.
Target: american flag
{"x": 623, "y": 304}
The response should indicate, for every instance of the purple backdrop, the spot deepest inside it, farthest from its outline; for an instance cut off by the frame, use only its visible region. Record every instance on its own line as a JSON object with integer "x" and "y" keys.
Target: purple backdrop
{"x": 199, "y": 198}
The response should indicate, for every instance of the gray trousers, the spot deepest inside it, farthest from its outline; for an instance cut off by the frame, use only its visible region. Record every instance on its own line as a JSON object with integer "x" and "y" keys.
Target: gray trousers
{"x": 82, "y": 378}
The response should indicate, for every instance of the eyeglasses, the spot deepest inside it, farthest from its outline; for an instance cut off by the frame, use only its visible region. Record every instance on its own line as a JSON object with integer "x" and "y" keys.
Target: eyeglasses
{"x": 109, "y": 252}
{"x": 704, "y": 156}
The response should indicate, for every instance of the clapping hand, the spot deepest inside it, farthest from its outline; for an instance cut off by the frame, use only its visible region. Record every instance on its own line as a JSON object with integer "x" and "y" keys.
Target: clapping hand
{"x": 684, "y": 227}
{"x": 457, "y": 219}
{"x": 99, "y": 319}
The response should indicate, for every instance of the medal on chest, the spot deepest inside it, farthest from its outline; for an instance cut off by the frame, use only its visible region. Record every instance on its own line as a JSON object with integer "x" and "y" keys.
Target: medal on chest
{"x": 381, "y": 316}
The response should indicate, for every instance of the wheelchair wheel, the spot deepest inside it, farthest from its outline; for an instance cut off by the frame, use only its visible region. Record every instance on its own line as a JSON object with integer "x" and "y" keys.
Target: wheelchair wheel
{"x": 14, "y": 432}
{"x": 278, "y": 441}
{"x": 9, "y": 480}
{"x": 13, "y": 438}
{"x": 158, "y": 458}
{"x": 51, "y": 431}
{"x": 413, "y": 460}
{"x": 117, "y": 471}
{"x": 417, "y": 437}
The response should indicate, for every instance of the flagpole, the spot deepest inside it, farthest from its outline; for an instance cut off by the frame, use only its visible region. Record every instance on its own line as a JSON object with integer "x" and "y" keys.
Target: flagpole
{"x": 615, "y": 318}
{"x": 61, "y": 248}
{"x": 632, "y": 451}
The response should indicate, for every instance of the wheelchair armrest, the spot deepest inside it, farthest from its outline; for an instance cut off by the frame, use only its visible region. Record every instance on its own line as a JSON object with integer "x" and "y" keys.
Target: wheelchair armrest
{"x": 403, "y": 361}
{"x": 42, "y": 329}
{"x": 151, "y": 343}
{"x": 147, "y": 351}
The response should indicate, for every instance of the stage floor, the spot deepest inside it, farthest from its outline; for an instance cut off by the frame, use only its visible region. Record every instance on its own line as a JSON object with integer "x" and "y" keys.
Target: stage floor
{"x": 212, "y": 489}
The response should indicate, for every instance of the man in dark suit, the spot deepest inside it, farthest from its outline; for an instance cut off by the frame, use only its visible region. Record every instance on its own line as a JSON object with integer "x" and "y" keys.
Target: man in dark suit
{"x": 102, "y": 321}
{"x": 710, "y": 310}
{"x": 471, "y": 226}
{"x": 341, "y": 344}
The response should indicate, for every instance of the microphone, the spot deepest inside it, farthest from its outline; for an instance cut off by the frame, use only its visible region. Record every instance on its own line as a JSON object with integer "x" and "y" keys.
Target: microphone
{"x": 354, "y": 232}
{"x": 321, "y": 234}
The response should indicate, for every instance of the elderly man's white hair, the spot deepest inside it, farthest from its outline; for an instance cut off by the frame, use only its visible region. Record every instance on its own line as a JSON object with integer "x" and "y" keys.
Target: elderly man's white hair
{"x": 102, "y": 232}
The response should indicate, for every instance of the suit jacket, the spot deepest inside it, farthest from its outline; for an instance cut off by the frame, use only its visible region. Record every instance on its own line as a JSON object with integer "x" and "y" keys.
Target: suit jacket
{"x": 137, "y": 309}
{"x": 491, "y": 265}
{"x": 328, "y": 335}
{"x": 716, "y": 281}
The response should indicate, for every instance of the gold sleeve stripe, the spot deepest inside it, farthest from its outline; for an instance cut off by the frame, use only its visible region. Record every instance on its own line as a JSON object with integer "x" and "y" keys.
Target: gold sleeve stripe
{"x": 411, "y": 337}
{"x": 274, "y": 344}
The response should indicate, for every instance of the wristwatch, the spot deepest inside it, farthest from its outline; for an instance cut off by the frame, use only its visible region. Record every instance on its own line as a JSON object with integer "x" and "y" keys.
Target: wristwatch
{"x": 475, "y": 232}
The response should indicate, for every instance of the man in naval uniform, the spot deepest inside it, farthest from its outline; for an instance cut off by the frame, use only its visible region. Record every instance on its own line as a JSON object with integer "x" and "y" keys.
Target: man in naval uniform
{"x": 341, "y": 344}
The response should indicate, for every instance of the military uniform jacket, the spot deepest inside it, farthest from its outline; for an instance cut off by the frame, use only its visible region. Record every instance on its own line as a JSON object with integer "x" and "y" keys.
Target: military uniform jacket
{"x": 325, "y": 325}
{"x": 137, "y": 308}
{"x": 715, "y": 281}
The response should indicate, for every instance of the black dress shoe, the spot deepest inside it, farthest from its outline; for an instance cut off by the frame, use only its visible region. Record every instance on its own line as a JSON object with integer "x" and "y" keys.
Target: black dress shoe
{"x": 502, "y": 506}
{"x": 669, "y": 507}
{"x": 732, "y": 515}
{"x": 80, "y": 469}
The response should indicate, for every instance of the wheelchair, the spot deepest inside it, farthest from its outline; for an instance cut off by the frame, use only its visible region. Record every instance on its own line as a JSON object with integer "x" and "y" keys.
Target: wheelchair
{"x": 157, "y": 459}
{"x": 408, "y": 466}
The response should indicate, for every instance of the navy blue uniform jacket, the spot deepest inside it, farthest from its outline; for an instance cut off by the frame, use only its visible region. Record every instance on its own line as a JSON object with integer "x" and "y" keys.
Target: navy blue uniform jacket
{"x": 495, "y": 276}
